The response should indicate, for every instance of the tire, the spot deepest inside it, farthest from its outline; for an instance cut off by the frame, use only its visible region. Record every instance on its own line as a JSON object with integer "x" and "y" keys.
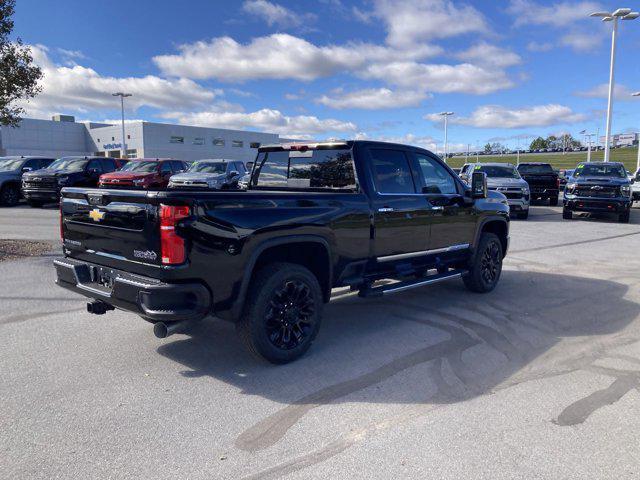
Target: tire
{"x": 486, "y": 267}
{"x": 9, "y": 195}
{"x": 567, "y": 214}
{"x": 523, "y": 215}
{"x": 263, "y": 326}
{"x": 624, "y": 217}
{"x": 553, "y": 201}
{"x": 35, "y": 203}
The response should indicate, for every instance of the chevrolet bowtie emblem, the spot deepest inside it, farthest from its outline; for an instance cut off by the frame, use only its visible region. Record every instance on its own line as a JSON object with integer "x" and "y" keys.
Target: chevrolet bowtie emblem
{"x": 96, "y": 215}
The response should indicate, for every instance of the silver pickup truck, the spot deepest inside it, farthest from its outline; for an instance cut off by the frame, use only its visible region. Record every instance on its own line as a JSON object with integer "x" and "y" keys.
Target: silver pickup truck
{"x": 503, "y": 178}
{"x": 215, "y": 174}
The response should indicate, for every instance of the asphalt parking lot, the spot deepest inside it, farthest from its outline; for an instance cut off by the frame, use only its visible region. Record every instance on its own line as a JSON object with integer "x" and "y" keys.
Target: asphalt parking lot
{"x": 539, "y": 379}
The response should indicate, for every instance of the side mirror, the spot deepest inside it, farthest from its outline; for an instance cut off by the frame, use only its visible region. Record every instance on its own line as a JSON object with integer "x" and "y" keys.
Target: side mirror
{"x": 26, "y": 169}
{"x": 249, "y": 166}
{"x": 479, "y": 185}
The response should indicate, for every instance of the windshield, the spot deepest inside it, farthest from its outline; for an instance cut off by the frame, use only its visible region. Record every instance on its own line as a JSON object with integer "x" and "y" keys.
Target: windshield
{"x": 66, "y": 164}
{"x": 144, "y": 167}
{"x": 208, "y": 167}
{"x": 9, "y": 164}
{"x": 497, "y": 171}
{"x": 535, "y": 169}
{"x": 600, "y": 170}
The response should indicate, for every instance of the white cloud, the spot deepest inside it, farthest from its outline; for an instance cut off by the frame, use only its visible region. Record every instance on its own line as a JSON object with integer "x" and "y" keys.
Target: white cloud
{"x": 558, "y": 14}
{"x": 582, "y": 42}
{"x": 373, "y": 99}
{"x": 496, "y": 116}
{"x": 413, "y": 21}
{"x": 79, "y": 88}
{"x": 539, "y": 46}
{"x": 278, "y": 56}
{"x": 276, "y": 14}
{"x": 266, "y": 120}
{"x": 486, "y": 54}
{"x": 621, "y": 92}
{"x": 424, "y": 141}
{"x": 461, "y": 78}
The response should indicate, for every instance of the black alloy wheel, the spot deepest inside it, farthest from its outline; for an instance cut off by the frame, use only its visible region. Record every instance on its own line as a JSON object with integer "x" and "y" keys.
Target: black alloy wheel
{"x": 486, "y": 266}
{"x": 9, "y": 196}
{"x": 490, "y": 263}
{"x": 289, "y": 317}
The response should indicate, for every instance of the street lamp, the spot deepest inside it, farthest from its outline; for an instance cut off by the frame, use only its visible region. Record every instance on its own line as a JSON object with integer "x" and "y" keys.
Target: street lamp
{"x": 122, "y": 97}
{"x": 446, "y": 142}
{"x": 587, "y": 137}
{"x": 624, "y": 14}
{"x": 637, "y": 94}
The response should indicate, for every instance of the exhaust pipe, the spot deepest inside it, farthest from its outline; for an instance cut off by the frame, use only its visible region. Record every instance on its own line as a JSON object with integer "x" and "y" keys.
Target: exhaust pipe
{"x": 163, "y": 330}
{"x": 98, "y": 307}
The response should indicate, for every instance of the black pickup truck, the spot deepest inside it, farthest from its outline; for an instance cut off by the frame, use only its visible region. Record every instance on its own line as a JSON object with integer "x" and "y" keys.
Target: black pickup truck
{"x": 544, "y": 182}
{"x": 598, "y": 187}
{"x": 314, "y": 217}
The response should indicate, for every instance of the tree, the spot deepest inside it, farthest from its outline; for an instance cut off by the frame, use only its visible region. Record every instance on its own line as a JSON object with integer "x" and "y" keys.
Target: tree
{"x": 487, "y": 148}
{"x": 18, "y": 74}
{"x": 539, "y": 144}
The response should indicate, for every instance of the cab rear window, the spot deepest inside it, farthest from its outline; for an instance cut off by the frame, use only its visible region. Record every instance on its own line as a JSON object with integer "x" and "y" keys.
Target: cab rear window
{"x": 309, "y": 169}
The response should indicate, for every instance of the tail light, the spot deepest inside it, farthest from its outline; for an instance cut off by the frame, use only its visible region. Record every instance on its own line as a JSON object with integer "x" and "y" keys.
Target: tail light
{"x": 172, "y": 246}
{"x": 558, "y": 182}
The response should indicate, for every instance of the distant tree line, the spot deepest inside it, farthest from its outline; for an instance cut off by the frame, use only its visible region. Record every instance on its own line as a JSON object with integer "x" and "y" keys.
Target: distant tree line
{"x": 566, "y": 142}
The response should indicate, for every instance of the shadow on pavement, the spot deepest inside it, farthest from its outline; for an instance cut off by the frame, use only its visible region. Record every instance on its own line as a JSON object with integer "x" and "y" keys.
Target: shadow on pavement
{"x": 460, "y": 345}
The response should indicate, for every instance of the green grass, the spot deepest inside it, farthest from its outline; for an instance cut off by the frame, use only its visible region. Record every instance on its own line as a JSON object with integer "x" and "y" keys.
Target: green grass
{"x": 628, "y": 156}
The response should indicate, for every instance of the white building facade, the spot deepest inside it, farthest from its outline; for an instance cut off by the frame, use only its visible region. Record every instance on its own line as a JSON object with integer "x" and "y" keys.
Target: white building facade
{"x": 143, "y": 140}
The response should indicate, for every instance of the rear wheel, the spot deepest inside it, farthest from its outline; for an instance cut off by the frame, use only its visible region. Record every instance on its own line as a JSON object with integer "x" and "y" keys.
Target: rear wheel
{"x": 567, "y": 214}
{"x": 553, "y": 201}
{"x": 9, "y": 195}
{"x": 35, "y": 203}
{"x": 282, "y": 317}
{"x": 486, "y": 268}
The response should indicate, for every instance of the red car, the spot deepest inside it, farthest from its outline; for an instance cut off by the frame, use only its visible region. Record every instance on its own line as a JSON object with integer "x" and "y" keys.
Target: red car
{"x": 143, "y": 173}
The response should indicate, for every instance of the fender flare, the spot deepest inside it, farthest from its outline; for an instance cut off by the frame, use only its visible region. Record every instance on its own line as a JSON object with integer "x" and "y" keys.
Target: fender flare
{"x": 236, "y": 309}
{"x": 491, "y": 218}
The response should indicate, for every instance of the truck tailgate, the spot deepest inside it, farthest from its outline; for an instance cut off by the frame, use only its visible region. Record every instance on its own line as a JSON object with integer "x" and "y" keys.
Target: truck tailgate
{"x": 111, "y": 227}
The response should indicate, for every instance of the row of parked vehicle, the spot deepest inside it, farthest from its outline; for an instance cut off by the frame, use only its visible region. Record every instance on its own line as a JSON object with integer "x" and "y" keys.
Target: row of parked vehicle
{"x": 39, "y": 179}
{"x": 595, "y": 187}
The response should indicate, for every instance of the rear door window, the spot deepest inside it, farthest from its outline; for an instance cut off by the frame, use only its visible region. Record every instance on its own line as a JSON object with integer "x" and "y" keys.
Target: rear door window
{"x": 391, "y": 171}
{"x": 108, "y": 165}
{"x": 165, "y": 168}
{"x": 94, "y": 165}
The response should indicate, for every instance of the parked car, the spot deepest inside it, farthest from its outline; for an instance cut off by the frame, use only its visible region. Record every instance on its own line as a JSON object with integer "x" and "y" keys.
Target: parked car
{"x": 316, "y": 216}
{"x": 503, "y": 178}
{"x": 215, "y": 174}
{"x": 43, "y": 186}
{"x": 543, "y": 180}
{"x": 143, "y": 174}
{"x": 635, "y": 187}
{"x": 598, "y": 187}
{"x": 11, "y": 171}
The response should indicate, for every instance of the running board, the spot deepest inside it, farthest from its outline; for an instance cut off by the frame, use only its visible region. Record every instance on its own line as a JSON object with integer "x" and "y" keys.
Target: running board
{"x": 402, "y": 286}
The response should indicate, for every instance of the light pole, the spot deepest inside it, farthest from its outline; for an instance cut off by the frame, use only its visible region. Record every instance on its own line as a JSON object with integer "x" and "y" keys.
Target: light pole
{"x": 588, "y": 137}
{"x": 637, "y": 94}
{"x": 446, "y": 141}
{"x": 624, "y": 14}
{"x": 122, "y": 97}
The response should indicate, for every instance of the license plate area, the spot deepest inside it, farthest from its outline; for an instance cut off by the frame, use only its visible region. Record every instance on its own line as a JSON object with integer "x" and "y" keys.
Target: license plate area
{"x": 98, "y": 278}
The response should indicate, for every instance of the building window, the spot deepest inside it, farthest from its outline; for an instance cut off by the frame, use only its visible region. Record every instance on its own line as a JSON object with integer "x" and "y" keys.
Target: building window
{"x": 98, "y": 141}
{"x": 237, "y": 143}
{"x": 198, "y": 141}
{"x": 128, "y": 137}
{"x": 132, "y": 153}
{"x": 254, "y": 144}
{"x": 174, "y": 139}
{"x": 113, "y": 139}
{"x": 218, "y": 142}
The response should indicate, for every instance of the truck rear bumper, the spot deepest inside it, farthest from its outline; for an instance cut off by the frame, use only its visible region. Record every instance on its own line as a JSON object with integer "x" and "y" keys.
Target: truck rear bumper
{"x": 150, "y": 298}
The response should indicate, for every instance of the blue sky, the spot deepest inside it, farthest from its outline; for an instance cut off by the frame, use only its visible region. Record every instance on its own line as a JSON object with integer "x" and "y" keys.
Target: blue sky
{"x": 337, "y": 68}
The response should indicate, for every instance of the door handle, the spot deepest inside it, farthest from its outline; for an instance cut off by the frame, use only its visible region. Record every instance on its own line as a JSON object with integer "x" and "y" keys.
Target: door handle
{"x": 385, "y": 209}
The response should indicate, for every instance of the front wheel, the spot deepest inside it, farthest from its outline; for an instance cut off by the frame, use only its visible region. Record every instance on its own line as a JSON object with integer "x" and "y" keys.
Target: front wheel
{"x": 9, "y": 195}
{"x": 624, "y": 217}
{"x": 553, "y": 201}
{"x": 35, "y": 204}
{"x": 486, "y": 268}
{"x": 523, "y": 215}
{"x": 281, "y": 317}
{"x": 567, "y": 214}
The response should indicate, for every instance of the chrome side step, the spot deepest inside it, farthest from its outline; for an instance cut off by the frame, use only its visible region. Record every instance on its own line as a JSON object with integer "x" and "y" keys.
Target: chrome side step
{"x": 402, "y": 286}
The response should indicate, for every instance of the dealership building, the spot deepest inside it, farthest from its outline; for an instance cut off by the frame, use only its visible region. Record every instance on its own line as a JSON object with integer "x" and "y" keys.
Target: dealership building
{"x": 63, "y": 136}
